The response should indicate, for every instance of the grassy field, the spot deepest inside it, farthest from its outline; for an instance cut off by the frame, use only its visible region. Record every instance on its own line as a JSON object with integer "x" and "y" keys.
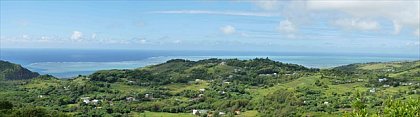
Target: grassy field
{"x": 176, "y": 88}
{"x": 252, "y": 113}
{"x": 161, "y": 114}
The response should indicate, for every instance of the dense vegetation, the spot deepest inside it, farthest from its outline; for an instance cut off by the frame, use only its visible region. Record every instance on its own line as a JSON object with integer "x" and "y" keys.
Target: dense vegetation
{"x": 10, "y": 71}
{"x": 222, "y": 87}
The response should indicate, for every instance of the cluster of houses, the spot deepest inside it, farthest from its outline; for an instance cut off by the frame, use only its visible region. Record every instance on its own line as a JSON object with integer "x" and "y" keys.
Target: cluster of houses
{"x": 87, "y": 100}
{"x": 273, "y": 74}
{"x": 210, "y": 113}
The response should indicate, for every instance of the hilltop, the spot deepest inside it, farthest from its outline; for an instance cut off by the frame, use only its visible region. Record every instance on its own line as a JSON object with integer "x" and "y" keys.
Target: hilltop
{"x": 11, "y": 71}
{"x": 223, "y": 87}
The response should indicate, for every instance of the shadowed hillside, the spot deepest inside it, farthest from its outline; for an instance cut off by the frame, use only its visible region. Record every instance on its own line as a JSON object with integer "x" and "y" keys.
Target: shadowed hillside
{"x": 11, "y": 71}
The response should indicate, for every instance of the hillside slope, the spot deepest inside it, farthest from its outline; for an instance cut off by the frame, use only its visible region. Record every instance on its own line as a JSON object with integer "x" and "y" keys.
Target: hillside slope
{"x": 11, "y": 71}
{"x": 224, "y": 87}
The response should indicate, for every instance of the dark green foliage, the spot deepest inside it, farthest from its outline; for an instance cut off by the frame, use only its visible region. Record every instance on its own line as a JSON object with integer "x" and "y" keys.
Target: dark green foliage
{"x": 280, "y": 103}
{"x": 218, "y": 85}
{"x": 10, "y": 71}
{"x": 5, "y": 105}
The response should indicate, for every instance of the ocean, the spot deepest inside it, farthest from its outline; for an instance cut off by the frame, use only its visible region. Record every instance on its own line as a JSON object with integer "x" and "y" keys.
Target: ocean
{"x": 67, "y": 63}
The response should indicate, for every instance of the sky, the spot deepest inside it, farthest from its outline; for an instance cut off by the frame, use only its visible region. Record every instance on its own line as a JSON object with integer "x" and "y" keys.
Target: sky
{"x": 342, "y": 26}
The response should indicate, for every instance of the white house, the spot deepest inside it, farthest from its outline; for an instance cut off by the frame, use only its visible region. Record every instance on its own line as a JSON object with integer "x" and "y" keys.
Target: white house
{"x": 195, "y": 112}
{"x": 130, "y": 99}
{"x": 85, "y": 100}
{"x": 95, "y": 101}
{"x": 202, "y": 90}
{"x": 147, "y": 96}
{"x": 382, "y": 79}
{"x": 373, "y": 90}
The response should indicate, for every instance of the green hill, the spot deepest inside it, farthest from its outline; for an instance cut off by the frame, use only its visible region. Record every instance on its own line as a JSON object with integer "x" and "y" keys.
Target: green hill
{"x": 11, "y": 71}
{"x": 223, "y": 87}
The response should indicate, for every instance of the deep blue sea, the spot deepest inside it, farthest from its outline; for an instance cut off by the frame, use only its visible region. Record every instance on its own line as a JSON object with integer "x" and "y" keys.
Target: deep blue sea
{"x": 67, "y": 63}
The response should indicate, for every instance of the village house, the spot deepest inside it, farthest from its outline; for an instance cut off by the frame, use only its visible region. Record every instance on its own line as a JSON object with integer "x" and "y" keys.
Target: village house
{"x": 130, "y": 99}
{"x": 85, "y": 100}
{"x": 382, "y": 79}
{"x": 202, "y": 90}
{"x": 198, "y": 112}
{"x": 95, "y": 101}
{"x": 130, "y": 81}
{"x": 237, "y": 112}
{"x": 373, "y": 90}
{"x": 386, "y": 86}
{"x": 148, "y": 96}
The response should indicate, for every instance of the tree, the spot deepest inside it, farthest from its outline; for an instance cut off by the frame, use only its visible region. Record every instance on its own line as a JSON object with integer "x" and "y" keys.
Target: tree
{"x": 6, "y": 105}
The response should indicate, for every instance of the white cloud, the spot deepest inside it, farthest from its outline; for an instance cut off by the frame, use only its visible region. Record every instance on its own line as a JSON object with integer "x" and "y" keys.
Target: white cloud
{"x": 143, "y": 41}
{"x": 403, "y": 13}
{"x": 397, "y": 27}
{"x": 233, "y": 13}
{"x": 357, "y": 24}
{"x": 228, "y": 29}
{"x": 286, "y": 26}
{"x": 417, "y": 32}
{"x": 413, "y": 43}
{"x": 93, "y": 36}
{"x": 177, "y": 41}
{"x": 267, "y": 4}
{"x": 25, "y": 37}
{"x": 77, "y": 36}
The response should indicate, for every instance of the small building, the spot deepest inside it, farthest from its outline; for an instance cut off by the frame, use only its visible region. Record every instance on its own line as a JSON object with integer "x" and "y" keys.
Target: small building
{"x": 237, "y": 112}
{"x": 382, "y": 79}
{"x": 85, "y": 100}
{"x": 130, "y": 99}
{"x": 326, "y": 103}
{"x": 195, "y": 112}
{"x": 202, "y": 90}
{"x": 148, "y": 96}
{"x": 222, "y": 113}
{"x": 95, "y": 101}
{"x": 198, "y": 112}
{"x": 386, "y": 86}
{"x": 373, "y": 90}
{"x": 226, "y": 82}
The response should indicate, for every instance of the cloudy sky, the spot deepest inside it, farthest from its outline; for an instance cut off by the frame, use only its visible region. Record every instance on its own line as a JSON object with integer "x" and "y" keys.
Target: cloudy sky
{"x": 389, "y": 26}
